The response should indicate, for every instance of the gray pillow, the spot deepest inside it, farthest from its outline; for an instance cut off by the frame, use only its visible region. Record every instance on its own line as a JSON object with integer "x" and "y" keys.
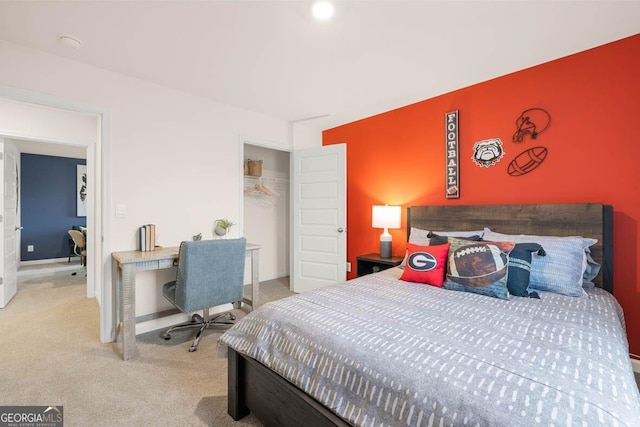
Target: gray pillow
{"x": 422, "y": 237}
{"x": 590, "y": 273}
{"x": 419, "y": 237}
{"x": 562, "y": 270}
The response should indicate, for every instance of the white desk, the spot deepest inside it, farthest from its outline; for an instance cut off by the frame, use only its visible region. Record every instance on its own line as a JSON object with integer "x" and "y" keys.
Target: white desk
{"x": 126, "y": 264}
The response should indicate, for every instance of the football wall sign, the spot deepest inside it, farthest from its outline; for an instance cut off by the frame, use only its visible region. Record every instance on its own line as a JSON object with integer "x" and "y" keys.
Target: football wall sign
{"x": 452, "y": 159}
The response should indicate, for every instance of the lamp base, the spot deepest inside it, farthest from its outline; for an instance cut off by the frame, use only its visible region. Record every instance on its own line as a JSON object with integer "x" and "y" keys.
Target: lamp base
{"x": 385, "y": 249}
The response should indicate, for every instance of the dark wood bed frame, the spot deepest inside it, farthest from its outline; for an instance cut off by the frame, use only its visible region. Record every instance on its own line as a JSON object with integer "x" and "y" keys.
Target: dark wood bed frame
{"x": 276, "y": 402}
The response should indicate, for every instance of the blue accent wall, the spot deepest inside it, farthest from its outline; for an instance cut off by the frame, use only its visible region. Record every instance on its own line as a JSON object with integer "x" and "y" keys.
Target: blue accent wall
{"x": 47, "y": 205}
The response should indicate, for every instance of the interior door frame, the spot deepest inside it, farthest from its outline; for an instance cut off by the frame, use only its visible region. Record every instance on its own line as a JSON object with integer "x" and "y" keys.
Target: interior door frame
{"x": 272, "y": 146}
{"x": 98, "y": 173}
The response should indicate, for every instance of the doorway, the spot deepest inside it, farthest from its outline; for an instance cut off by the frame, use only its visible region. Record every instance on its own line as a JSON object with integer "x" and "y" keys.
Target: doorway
{"x": 51, "y": 120}
{"x": 265, "y": 207}
{"x": 50, "y": 205}
{"x": 314, "y": 212}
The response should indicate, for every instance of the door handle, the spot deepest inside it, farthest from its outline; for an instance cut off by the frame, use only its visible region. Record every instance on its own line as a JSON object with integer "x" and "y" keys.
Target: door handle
{"x": 340, "y": 230}
{"x": 18, "y": 228}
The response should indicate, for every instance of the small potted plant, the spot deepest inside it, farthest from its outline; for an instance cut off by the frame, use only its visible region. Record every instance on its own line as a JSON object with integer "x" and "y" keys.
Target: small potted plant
{"x": 222, "y": 226}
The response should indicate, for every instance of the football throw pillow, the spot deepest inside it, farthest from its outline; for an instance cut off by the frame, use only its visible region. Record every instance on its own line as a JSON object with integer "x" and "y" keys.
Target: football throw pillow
{"x": 479, "y": 267}
{"x": 425, "y": 264}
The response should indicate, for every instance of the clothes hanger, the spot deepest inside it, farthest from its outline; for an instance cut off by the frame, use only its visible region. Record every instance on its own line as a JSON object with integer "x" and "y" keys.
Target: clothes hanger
{"x": 259, "y": 189}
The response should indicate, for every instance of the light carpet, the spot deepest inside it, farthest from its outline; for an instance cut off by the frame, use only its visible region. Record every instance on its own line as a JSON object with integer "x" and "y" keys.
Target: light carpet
{"x": 52, "y": 355}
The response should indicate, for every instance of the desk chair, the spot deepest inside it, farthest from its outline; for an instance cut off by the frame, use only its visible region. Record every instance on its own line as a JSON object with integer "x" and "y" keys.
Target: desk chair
{"x": 210, "y": 273}
{"x": 71, "y": 244}
{"x": 79, "y": 247}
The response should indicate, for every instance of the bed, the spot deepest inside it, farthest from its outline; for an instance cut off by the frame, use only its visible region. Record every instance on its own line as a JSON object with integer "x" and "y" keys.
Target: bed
{"x": 381, "y": 351}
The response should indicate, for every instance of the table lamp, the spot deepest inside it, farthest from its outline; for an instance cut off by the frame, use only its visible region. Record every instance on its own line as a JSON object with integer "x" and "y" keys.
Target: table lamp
{"x": 385, "y": 217}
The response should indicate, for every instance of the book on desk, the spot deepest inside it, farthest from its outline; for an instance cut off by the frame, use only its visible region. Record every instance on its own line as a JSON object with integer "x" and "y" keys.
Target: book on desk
{"x": 147, "y": 237}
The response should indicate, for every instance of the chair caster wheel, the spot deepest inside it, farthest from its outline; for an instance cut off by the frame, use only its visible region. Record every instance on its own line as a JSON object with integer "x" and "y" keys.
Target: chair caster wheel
{"x": 166, "y": 337}
{"x": 192, "y": 349}
{"x": 232, "y": 317}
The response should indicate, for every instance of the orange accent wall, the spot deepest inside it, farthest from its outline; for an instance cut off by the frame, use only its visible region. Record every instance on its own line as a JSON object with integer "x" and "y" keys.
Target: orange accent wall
{"x": 593, "y": 97}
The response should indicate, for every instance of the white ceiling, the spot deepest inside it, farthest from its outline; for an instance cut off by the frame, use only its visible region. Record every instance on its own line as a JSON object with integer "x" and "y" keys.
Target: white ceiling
{"x": 272, "y": 57}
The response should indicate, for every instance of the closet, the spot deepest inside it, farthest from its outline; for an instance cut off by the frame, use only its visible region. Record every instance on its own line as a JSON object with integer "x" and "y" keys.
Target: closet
{"x": 266, "y": 209}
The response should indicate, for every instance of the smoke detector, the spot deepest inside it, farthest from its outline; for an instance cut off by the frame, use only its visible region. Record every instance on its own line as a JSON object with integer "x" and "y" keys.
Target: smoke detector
{"x": 70, "y": 42}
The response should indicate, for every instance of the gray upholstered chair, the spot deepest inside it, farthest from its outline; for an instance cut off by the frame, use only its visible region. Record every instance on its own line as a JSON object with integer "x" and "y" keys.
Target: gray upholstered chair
{"x": 210, "y": 273}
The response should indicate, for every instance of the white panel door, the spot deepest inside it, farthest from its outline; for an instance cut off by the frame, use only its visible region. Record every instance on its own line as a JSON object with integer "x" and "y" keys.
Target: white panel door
{"x": 9, "y": 209}
{"x": 319, "y": 216}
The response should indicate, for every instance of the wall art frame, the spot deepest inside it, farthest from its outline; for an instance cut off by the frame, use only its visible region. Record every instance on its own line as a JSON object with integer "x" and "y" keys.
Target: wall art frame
{"x": 81, "y": 190}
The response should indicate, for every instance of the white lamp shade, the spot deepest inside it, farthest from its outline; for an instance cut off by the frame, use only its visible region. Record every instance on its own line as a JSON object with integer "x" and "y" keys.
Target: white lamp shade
{"x": 386, "y": 216}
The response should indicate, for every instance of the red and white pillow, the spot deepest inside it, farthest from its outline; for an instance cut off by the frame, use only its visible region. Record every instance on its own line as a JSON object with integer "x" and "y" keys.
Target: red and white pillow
{"x": 426, "y": 264}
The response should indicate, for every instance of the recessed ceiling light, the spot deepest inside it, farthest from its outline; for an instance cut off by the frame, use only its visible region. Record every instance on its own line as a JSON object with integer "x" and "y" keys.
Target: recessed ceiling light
{"x": 70, "y": 42}
{"x": 322, "y": 10}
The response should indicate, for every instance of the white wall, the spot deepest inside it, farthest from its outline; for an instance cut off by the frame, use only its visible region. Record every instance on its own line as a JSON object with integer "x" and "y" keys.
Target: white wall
{"x": 48, "y": 124}
{"x": 266, "y": 218}
{"x": 174, "y": 158}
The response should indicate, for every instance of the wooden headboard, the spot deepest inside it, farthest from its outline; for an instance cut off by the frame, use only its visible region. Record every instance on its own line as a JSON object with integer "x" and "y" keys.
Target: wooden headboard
{"x": 574, "y": 219}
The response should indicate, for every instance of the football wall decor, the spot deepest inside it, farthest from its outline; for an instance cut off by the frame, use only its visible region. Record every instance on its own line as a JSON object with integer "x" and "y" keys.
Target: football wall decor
{"x": 452, "y": 159}
{"x": 531, "y": 122}
{"x": 488, "y": 152}
{"x": 527, "y": 161}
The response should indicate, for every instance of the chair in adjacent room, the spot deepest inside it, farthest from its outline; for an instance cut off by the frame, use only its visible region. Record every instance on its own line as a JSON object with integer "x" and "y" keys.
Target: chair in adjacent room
{"x": 79, "y": 247}
{"x": 72, "y": 244}
{"x": 210, "y": 274}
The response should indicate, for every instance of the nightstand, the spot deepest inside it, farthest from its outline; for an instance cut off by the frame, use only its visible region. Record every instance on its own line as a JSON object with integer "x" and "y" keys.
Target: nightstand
{"x": 372, "y": 263}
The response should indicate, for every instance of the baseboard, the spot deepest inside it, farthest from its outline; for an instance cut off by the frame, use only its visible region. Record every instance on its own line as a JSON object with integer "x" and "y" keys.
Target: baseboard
{"x": 161, "y": 323}
{"x": 169, "y": 317}
{"x": 265, "y": 279}
{"x": 276, "y": 276}
{"x": 46, "y": 261}
{"x": 635, "y": 363}
{"x": 39, "y": 267}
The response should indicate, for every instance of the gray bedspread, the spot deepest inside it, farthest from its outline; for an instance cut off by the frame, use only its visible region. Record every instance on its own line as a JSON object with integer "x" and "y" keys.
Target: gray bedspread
{"x": 382, "y": 352}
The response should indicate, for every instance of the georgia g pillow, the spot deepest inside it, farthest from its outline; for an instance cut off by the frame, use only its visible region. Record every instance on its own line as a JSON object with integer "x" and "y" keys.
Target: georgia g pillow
{"x": 425, "y": 264}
